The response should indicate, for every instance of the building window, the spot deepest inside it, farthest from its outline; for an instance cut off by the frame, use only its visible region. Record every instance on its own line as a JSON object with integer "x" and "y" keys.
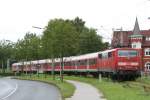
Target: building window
{"x": 147, "y": 66}
{"x": 147, "y": 52}
{"x": 147, "y": 38}
{"x": 136, "y": 45}
{"x": 133, "y": 46}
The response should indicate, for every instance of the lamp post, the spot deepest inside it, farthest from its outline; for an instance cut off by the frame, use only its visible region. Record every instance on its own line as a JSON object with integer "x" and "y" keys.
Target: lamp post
{"x": 46, "y": 67}
{"x": 30, "y": 68}
{"x": 38, "y": 67}
{"x": 52, "y": 58}
{"x": 61, "y": 67}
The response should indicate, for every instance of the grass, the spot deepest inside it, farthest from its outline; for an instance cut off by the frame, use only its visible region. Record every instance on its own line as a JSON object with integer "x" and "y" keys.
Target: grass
{"x": 66, "y": 89}
{"x": 144, "y": 79}
{"x": 6, "y": 74}
{"x": 111, "y": 90}
{"x": 115, "y": 90}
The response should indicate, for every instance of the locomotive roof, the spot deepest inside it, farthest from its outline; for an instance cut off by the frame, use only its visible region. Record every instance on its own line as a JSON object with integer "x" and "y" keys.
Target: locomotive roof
{"x": 108, "y": 51}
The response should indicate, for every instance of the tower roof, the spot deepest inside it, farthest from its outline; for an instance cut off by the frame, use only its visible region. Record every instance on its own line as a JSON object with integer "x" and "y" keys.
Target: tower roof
{"x": 136, "y": 29}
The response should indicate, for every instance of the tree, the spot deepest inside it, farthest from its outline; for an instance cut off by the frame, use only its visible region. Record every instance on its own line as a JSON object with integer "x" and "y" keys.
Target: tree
{"x": 28, "y": 48}
{"x": 6, "y": 52}
{"x": 60, "y": 39}
{"x": 88, "y": 40}
{"x": 60, "y": 36}
{"x": 79, "y": 24}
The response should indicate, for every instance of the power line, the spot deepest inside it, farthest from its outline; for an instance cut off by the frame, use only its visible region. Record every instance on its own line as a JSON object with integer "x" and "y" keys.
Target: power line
{"x": 107, "y": 32}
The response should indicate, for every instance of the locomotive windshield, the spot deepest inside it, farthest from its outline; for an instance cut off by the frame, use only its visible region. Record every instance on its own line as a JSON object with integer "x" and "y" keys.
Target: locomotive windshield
{"x": 127, "y": 53}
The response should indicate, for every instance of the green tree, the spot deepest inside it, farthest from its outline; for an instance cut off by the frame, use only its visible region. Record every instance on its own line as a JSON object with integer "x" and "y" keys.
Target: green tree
{"x": 79, "y": 24}
{"x": 90, "y": 41}
{"x": 28, "y": 48}
{"x": 6, "y": 52}
{"x": 60, "y": 38}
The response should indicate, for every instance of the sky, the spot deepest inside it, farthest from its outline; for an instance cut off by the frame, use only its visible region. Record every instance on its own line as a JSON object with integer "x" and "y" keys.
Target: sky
{"x": 18, "y": 16}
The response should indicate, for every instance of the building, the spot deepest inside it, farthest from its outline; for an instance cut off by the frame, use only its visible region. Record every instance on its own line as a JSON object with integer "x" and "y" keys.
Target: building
{"x": 134, "y": 39}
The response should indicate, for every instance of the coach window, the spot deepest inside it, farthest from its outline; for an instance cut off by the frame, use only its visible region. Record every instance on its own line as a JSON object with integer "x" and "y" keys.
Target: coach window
{"x": 72, "y": 63}
{"x": 92, "y": 61}
{"x": 100, "y": 55}
{"x": 57, "y": 64}
{"x": 109, "y": 54}
{"x": 147, "y": 66}
{"x": 78, "y": 63}
{"x": 82, "y": 62}
{"x": 67, "y": 64}
{"x": 147, "y": 52}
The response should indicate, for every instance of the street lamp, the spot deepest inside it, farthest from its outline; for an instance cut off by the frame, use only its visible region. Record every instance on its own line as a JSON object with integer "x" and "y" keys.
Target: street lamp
{"x": 53, "y": 74}
{"x": 38, "y": 67}
{"x": 31, "y": 64}
{"x": 37, "y": 27}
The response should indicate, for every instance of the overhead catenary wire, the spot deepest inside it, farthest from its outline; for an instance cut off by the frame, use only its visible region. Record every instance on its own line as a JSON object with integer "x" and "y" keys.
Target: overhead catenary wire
{"x": 105, "y": 33}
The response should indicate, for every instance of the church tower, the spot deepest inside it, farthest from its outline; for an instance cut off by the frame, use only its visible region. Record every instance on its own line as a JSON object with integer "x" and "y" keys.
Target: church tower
{"x": 136, "y": 38}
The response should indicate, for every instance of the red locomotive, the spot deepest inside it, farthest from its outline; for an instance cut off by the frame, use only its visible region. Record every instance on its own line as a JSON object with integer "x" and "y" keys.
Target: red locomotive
{"x": 120, "y": 62}
{"x": 113, "y": 62}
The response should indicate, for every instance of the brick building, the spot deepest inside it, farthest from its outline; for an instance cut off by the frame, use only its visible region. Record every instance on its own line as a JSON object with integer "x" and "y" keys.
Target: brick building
{"x": 134, "y": 39}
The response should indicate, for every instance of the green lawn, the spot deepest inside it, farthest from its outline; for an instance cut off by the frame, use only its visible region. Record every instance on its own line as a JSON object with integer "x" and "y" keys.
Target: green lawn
{"x": 66, "y": 89}
{"x": 115, "y": 90}
{"x": 6, "y": 73}
{"x": 143, "y": 79}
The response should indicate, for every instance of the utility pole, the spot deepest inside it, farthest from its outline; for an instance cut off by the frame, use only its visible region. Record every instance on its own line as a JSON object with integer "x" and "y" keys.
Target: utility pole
{"x": 53, "y": 69}
{"x": 30, "y": 68}
{"x": 61, "y": 67}
{"x": 2, "y": 67}
{"x": 8, "y": 65}
{"x": 38, "y": 67}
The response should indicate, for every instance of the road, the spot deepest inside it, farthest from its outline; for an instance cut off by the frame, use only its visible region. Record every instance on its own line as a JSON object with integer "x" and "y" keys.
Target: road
{"x": 12, "y": 89}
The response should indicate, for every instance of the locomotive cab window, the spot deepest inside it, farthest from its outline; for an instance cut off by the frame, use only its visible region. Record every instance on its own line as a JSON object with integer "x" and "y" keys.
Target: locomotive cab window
{"x": 127, "y": 53}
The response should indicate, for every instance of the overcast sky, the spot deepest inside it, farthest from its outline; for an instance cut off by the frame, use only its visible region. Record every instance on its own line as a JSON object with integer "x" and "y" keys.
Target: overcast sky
{"x": 18, "y": 16}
